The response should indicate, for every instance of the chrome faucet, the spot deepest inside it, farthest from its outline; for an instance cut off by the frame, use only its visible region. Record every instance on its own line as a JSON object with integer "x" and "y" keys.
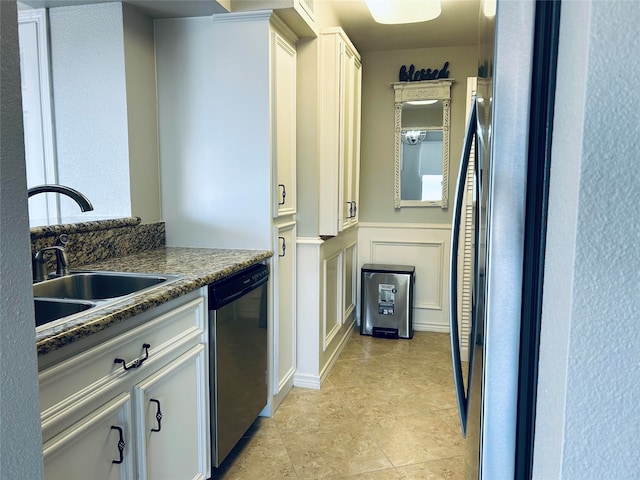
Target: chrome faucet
{"x": 40, "y": 272}
{"x": 79, "y": 198}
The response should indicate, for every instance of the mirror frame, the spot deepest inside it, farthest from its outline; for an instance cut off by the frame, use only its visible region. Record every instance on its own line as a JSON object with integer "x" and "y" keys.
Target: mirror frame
{"x": 424, "y": 90}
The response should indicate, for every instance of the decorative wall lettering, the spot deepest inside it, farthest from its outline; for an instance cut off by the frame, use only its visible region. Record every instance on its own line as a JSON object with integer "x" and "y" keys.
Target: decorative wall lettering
{"x": 413, "y": 75}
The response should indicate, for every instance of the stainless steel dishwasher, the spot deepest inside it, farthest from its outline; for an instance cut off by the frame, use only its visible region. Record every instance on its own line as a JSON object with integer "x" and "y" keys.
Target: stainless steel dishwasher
{"x": 238, "y": 356}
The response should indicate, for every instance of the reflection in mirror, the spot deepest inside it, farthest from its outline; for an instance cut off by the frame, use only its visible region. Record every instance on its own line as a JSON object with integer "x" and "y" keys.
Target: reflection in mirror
{"x": 422, "y": 143}
{"x": 421, "y": 168}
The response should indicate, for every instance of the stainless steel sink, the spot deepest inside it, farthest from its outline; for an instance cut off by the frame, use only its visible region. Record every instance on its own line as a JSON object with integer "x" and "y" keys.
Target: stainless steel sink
{"x": 79, "y": 291}
{"x": 98, "y": 285}
{"x": 48, "y": 310}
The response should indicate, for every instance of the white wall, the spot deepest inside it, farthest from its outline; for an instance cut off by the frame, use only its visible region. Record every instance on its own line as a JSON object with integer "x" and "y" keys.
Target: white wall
{"x": 587, "y": 413}
{"x": 426, "y": 247}
{"x": 90, "y": 105}
{"x": 20, "y": 438}
{"x": 379, "y": 70}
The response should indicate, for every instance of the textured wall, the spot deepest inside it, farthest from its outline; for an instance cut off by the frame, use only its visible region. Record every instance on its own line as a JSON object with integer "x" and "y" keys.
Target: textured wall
{"x": 90, "y": 104}
{"x": 587, "y": 418}
{"x": 20, "y": 438}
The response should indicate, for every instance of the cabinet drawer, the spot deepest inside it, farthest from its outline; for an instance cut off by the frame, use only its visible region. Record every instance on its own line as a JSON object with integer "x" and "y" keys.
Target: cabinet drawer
{"x": 75, "y": 378}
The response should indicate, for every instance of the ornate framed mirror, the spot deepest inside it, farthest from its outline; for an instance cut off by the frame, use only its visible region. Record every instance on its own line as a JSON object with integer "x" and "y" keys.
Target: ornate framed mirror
{"x": 422, "y": 112}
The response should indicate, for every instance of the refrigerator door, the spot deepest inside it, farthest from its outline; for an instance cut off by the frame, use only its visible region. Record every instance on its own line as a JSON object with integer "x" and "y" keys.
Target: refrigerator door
{"x": 462, "y": 393}
{"x": 503, "y": 100}
{"x": 514, "y": 103}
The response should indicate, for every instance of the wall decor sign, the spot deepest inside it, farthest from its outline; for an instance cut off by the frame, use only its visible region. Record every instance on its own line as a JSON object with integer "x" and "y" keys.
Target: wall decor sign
{"x": 413, "y": 75}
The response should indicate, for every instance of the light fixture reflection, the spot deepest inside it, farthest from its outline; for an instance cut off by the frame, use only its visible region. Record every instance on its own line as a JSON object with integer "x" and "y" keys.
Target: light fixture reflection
{"x": 413, "y": 137}
{"x": 489, "y": 8}
{"x": 422, "y": 102}
{"x": 403, "y": 11}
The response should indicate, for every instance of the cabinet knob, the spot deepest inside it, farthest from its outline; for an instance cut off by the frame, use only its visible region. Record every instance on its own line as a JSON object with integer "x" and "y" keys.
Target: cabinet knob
{"x": 137, "y": 362}
{"x": 284, "y": 193}
{"x": 121, "y": 445}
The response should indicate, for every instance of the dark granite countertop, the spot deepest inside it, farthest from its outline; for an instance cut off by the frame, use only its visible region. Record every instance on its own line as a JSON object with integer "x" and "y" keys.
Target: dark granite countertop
{"x": 199, "y": 266}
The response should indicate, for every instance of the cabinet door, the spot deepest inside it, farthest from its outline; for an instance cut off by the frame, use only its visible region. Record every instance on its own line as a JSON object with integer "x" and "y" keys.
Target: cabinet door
{"x": 346, "y": 141}
{"x": 97, "y": 447}
{"x": 350, "y": 169}
{"x": 340, "y": 133}
{"x": 284, "y": 312}
{"x": 284, "y": 128}
{"x": 353, "y": 164}
{"x": 172, "y": 420}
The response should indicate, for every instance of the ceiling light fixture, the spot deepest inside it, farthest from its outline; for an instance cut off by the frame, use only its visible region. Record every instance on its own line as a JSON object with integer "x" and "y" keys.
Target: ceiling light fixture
{"x": 403, "y": 11}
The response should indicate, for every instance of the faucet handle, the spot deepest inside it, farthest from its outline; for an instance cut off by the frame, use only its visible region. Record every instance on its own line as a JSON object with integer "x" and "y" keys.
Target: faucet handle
{"x": 62, "y": 240}
{"x": 40, "y": 263}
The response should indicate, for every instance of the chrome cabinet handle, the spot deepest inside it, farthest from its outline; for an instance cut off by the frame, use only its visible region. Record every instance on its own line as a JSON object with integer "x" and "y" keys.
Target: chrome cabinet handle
{"x": 121, "y": 445}
{"x": 462, "y": 400}
{"x": 137, "y": 362}
{"x": 284, "y": 247}
{"x": 158, "y": 415}
{"x": 355, "y": 208}
{"x": 284, "y": 193}
{"x": 350, "y": 215}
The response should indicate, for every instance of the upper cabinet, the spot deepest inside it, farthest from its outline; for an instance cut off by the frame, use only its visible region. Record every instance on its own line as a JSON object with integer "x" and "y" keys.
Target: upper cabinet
{"x": 297, "y": 14}
{"x": 340, "y": 100}
{"x": 227, "y": 128}
{"x": 284, "y": 132}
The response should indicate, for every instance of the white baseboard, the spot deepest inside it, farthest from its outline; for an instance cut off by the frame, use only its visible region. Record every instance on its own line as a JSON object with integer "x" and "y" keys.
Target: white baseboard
{"x": 304, "y": 380}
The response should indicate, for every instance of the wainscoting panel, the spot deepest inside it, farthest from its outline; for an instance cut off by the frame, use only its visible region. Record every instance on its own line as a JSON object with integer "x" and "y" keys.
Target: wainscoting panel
{"x": 427, "y": 248}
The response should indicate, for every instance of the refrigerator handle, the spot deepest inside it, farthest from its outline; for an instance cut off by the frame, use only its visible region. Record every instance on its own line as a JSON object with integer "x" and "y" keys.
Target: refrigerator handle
{"x": 453, "y": 271}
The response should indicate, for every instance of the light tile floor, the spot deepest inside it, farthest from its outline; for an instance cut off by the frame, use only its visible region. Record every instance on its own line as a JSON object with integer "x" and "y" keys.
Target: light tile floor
{"x": 386, "y": 412}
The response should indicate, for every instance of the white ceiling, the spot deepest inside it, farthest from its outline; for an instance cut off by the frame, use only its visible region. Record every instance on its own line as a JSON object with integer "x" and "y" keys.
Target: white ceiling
{"x": 457, "y": 24}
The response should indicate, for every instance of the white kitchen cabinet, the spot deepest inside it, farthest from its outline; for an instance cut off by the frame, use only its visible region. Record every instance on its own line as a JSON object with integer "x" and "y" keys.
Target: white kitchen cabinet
{"x": 96, "y": 447}
{"x": 340, "y": 97}
{"x": 284, "y": 101}
{"x": 170, "y": 419}
{"x": 227, "y": 132}
{"x": 87, "y": 406}
{"x": 226, "y": 120}
{"x": 283, "y": 273}
{"x": 299, "y": 14}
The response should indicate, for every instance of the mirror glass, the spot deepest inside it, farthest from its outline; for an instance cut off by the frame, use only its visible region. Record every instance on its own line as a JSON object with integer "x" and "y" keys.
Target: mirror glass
{"x": 422, "y": 143}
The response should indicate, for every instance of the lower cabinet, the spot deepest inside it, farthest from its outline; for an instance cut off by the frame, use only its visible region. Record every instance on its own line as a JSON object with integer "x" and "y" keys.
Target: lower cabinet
{"x": 145, "y": 417}
{"x": 169, "y": 419}
{"x": 94, "y": 447}
{"x": 284, "y": 311}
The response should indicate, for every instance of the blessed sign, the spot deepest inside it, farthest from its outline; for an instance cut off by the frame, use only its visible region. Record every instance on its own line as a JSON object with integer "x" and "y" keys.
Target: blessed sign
{"x": 413, "y": 75}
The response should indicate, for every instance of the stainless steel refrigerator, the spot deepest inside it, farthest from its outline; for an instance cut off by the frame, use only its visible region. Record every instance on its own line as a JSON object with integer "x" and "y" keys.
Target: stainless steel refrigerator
{"x": 511, "y": 124}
